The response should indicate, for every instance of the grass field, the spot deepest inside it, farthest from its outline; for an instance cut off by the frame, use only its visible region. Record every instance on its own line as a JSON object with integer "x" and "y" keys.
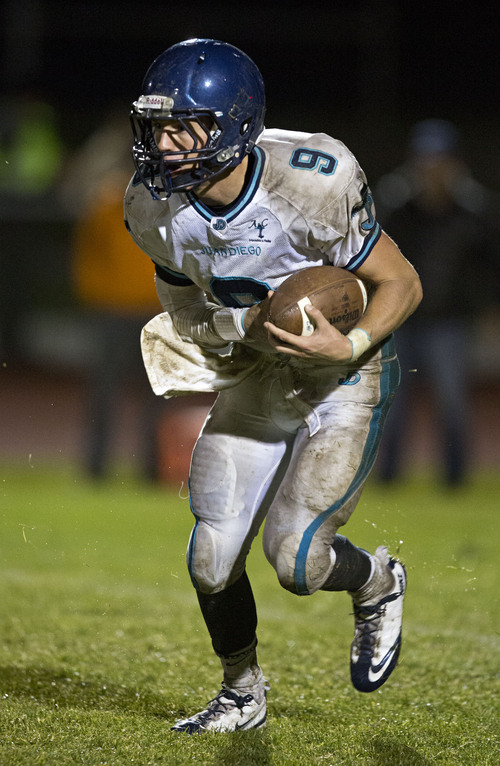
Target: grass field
{"x": 102, "y": 646}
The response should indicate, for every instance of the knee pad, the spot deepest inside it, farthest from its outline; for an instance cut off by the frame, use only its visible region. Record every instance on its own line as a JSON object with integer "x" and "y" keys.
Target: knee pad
{"x": 302, "y": 567}
{"x": 212, "y": 569}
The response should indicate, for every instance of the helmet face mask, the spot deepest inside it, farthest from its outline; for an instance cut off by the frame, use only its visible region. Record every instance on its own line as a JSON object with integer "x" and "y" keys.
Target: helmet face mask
{"x": 174, "y": 170}
{"x": 216, "y": 94}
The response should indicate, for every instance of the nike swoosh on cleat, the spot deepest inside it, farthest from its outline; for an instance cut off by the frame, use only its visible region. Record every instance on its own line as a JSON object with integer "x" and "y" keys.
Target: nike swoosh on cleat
{"x": 375, "y": 672}
{"x": 247, "y": 724}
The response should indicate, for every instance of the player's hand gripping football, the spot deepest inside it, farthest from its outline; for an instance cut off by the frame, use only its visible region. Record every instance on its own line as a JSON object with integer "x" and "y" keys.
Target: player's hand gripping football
{"x": 326, "y": 342}
{"x": 254, "y": 320}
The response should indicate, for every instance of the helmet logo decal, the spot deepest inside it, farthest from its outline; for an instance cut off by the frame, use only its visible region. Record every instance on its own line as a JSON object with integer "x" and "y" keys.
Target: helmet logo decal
{"x": 241, "y": 103}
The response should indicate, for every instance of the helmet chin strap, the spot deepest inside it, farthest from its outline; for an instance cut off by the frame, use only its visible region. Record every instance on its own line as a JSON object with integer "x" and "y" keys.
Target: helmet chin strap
{"x": 225, "y": 154}
{"x": 188, "y": 180}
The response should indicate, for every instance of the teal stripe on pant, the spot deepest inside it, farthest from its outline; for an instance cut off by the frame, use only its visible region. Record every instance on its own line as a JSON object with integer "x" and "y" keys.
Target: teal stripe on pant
{"x": 389, "y": 381}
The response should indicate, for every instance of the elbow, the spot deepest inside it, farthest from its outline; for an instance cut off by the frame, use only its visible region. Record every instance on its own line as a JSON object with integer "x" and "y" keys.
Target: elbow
{"x": 419, "y": 293}
{"x": 416, "y": 292}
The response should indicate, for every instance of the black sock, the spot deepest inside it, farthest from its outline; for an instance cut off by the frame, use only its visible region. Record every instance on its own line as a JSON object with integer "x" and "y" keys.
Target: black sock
{"x": 352, "y": 566}
{"x": 230, "y": 616}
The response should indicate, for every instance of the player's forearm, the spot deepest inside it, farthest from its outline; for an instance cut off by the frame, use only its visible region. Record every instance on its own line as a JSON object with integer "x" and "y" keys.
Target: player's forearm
{"x": 391, "y": 303}
{"x": 396, "y": 289}
{"x": 196, "y": 318}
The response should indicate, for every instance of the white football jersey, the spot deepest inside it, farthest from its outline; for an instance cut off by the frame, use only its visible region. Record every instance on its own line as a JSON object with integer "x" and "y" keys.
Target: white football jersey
{"x": 305, "y": 203}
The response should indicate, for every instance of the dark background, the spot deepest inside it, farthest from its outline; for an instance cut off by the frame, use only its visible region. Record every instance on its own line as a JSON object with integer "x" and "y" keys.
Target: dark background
{"x": 362, "y": 71}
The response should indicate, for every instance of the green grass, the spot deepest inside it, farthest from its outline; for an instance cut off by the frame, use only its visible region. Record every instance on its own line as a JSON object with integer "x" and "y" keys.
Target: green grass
{"x": 102, "y": 646}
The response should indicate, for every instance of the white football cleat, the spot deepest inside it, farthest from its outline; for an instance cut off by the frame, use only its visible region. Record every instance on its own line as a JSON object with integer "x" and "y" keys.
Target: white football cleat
{"x": 228, "y": 711}
{"x": 377, "y": 631}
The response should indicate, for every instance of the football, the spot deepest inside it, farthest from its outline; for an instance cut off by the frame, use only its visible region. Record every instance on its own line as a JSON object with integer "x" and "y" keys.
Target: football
{"x": 339, "y": 295}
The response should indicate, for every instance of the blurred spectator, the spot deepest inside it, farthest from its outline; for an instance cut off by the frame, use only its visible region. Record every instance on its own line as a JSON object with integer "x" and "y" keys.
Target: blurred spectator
{"x": 439, "y": 216}
{"x": 107, "y": 150}
{"x": 31, "y": 157}
{"x": 114, "y": 283}
{"x": 31, "y": 151}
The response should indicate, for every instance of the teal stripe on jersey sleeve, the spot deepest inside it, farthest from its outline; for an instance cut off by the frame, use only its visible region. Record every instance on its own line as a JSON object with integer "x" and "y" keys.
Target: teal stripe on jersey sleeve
{"x": 368, "y": 245}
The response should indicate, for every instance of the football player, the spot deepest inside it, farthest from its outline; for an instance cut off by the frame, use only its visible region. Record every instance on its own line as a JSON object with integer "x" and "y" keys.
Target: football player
{"x": 227, "y": 210}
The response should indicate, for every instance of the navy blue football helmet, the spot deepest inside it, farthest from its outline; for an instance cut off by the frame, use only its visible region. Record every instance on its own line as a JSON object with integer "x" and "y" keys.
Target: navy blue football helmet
{"x": 204, "y": 82}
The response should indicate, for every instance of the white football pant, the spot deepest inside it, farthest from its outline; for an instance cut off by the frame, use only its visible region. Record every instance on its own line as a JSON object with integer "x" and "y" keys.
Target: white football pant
{"x": 292, "y": 445}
